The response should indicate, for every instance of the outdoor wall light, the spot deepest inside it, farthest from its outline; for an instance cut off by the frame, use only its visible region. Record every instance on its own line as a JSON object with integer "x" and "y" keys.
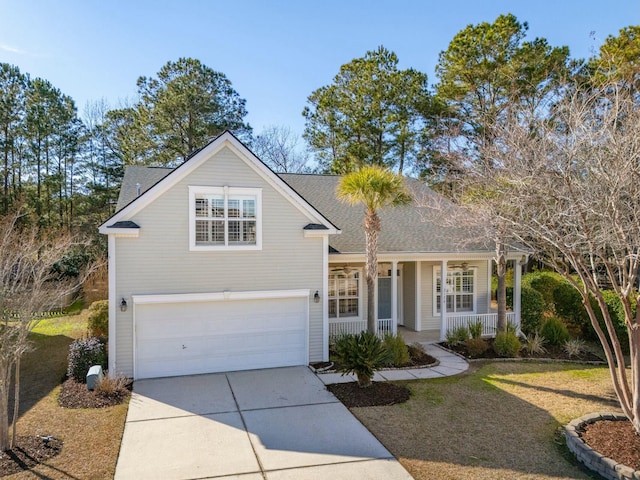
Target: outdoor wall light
{"x": 316, "y": 297}
{"x": 123, "y": 305}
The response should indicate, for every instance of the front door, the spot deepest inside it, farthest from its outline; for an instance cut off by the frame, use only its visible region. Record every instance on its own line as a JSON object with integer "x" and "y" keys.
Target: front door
{"x": 384, "y": 295}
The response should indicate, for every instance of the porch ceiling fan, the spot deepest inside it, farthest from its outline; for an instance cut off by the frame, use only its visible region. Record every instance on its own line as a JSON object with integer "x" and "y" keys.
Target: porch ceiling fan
{"x": 464, "y": 266}
{"x": 343, "y": 269}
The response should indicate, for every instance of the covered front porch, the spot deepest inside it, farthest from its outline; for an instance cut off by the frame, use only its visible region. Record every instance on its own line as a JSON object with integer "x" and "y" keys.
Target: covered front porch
{"x": 408, "y": 295}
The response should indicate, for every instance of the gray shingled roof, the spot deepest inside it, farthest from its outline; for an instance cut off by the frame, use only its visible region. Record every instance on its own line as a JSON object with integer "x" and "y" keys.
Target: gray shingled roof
{"x": 147, "y": 177}
{"x": 404, "y": 229}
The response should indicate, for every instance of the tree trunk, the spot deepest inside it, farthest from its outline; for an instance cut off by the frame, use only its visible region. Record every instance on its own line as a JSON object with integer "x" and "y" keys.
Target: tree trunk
{"x": 16, "y": 404}
{"x": 371, "y": 230}
{"x": 4, "y": 407}
{"x": 501, "y": 262}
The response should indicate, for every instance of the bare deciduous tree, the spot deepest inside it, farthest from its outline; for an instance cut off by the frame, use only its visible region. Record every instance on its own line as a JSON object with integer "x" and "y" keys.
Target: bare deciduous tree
{"x": 29, "y": 286}
{"x": 566, "y": 185}
{"x": 278, "y": 147}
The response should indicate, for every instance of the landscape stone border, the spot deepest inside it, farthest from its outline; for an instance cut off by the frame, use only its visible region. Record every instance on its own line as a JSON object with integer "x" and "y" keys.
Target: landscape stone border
{"x": 605, "y": 466}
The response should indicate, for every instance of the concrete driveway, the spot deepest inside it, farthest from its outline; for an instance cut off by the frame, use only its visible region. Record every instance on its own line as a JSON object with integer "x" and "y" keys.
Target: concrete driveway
{"x": 271, "y": 424}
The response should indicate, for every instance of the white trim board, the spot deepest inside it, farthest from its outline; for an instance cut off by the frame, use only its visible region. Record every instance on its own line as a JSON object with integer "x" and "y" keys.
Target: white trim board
{"x": 219, "y": 296}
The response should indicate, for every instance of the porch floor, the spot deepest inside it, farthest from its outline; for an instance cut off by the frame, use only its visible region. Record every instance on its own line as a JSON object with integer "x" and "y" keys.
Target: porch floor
{"x": 425, "y": 336}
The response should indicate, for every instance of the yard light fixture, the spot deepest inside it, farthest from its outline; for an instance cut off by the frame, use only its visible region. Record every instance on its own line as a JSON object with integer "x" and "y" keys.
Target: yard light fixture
{"x": 123, "y": 305}
{"x": 316, "y": 297}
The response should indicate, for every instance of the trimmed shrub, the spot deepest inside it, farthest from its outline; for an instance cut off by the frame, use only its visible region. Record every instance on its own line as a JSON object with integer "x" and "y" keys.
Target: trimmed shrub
{"x": 506, "y": 344}
{"x": 98, "y": 322}
{"x": 475, "y": 329}
{"x": 545, "y": 283}
{"x": 554, "y": 331}
{"x": 397, "y": 350}
{"x": 476, "y": 346}
{"x": 83, "y": 354}
{"x": 532, "y": 310}
{"x": 457, "y": 335}
{"x": 362, "y": 354}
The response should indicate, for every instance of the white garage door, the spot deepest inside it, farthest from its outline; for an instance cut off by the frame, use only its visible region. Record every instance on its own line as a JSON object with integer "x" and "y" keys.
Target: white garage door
{"x": 190, "y": 337}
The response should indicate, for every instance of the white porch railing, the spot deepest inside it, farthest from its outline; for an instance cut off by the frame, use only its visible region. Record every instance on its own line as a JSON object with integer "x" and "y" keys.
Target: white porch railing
{"x": 489, "y": 321}
{"x": 339, "y": 327}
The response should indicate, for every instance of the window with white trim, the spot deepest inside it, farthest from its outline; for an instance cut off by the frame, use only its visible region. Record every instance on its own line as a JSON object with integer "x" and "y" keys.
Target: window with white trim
{"x": 460, "y": 291}
{"x": 344, "y": 295}
{"x": 224, "y": 218}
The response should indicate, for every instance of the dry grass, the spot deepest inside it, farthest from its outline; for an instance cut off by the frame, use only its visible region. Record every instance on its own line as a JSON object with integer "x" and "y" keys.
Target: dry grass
{"x": 498, "y": 421}
{"x": 91, "y": 436}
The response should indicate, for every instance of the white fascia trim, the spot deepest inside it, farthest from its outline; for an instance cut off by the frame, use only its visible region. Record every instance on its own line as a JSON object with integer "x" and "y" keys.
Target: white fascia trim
{"x": 319, "y": 233}
{"x": 411, "y": 257}
{"x": 219, "y": 296}
{"x": 276, "y": 182}
{"x": 122, "y": 232}
{"x": 224, "y": 140}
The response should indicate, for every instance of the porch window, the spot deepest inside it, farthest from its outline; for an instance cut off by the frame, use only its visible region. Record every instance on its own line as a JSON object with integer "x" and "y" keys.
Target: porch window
{"x": 344, "y": 295}
{"x": 460, "y": 291}
{"x": 224, "y": 218}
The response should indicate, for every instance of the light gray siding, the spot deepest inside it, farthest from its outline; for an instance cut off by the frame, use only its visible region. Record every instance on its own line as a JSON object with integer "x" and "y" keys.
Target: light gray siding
{"x": 159, "y": 260}
{"x": 431, "y": 321}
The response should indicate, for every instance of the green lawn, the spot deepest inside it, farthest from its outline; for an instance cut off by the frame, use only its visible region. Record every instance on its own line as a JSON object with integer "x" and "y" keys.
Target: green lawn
{"x": 499, "y": 421}
{"x": 91, "y": 436}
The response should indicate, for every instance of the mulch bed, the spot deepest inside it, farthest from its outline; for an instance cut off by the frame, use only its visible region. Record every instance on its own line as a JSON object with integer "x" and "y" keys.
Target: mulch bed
{"x": 419, "y": 359}
{"x": 76, "y": 395}
{"x": 551, "y": 353}
{"x": 28, "y": 452}
{"x": 614, "y": 439}
{"x": 376, "y": 395}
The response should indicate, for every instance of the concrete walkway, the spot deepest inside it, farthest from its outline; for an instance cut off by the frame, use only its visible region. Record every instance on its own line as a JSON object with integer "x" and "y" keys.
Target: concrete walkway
{"x": 273, "y": 424}
{"x": 450, "y": 364}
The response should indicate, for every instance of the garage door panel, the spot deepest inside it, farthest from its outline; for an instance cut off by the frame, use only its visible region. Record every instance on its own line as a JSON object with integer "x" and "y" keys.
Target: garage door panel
{"x": 204, "y": 337}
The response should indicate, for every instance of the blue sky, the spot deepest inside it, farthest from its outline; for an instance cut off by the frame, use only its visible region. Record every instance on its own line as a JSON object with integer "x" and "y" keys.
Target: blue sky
{"x": 275, "y": 52}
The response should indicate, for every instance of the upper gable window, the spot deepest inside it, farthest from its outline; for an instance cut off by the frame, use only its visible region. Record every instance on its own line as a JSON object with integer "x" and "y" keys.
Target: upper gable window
{"x": 225, "y": 218}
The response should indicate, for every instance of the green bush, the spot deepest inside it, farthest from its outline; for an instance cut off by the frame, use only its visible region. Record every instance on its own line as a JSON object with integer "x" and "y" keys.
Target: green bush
{"x": 616, "y": 311}
{"x": 506, "y": 344}
{"x": 545, "y": 283}
{"x": 98, "y": 323}
{"x": 362, "y": 354}
{"x": 531, "y": 311}
{"x": 569, "y": 307}
{"x": 475, "y": 329}
{"x": 554, "y": 331}
{"x": 476, "y": 346}
{"x": 457, "y": 335}
{"x": 397, "y": 350}
{"x": 83, "y": 354}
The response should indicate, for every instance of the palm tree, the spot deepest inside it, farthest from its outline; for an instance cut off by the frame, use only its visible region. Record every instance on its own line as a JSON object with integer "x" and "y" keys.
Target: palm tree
{"x": 374, "y": 187}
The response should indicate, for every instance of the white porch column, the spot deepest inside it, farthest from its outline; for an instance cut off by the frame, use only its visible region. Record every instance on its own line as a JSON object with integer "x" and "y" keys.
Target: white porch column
{"x": 394, "y": 296}
{"x": 517, "y": 290}
{"x": 418, "y": 324}
{"x": 443, "y": 300}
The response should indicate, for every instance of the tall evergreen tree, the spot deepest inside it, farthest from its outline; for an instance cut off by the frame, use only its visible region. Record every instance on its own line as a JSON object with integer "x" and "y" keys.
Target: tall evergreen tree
{"x": 186, "y": 105}
{"x": 369, "y": 115}
{"x": 12, "y": 112}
